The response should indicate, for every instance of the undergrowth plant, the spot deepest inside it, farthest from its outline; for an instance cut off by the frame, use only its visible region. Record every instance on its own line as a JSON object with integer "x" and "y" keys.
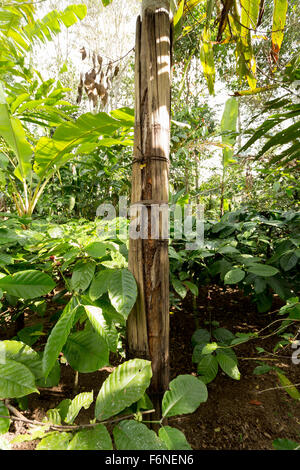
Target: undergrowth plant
{"x": 121, "y": 402}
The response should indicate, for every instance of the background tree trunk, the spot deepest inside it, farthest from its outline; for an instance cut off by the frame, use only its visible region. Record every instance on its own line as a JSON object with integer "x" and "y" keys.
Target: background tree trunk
{"x": 148, "y": 323}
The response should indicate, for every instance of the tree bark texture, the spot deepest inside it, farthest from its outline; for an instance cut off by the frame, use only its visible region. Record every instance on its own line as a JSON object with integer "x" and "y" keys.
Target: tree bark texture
{"x": 148, "y": 323}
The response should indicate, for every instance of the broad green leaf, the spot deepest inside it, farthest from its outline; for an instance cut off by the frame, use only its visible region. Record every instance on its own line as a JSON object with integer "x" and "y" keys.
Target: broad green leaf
{"x": 53, "y": 416}
{"x": 13, "y": 133}
{"x": 263, "y": 270}
{"x": 131, "y": 435}
{"x": 30, "y": 334}
{"x": 55, "y": 441}
{"x": 58, "y": 336}
{"x": 16, "y": 380}
{"x": 207, "y": 59}
{"x": 263, "y": 369}
{"x": 234, "y": 276}
{"x": 4, "y": 423}
{"x": 259, "y": 285}
{"x": 50, "y": 25}
{"x": 280, "y": 286}
{"x": 200, "y": 336}
{"x": 193, "y": 288}
{"x": 124, "y": 386}
{"x": 36, "y": 433}
{"x": 85, "y": 351}
{"x": 107, "y": 331}
{"x": 173, "y": 438}
{"x": 228, "y": 365}
{"x": 288, "y": 386}
{"x": 97, "y": 438}
{"x": 20, "y": 352}
{"x": 286, "y": 444}
{"x": 82, "y": 276}
{"x": 82, "y": 400}
{"x": 249, "y": 13}
{"x": 122, "y": 291}
{"x": 207, "y": 368}
{"x": 223, "y": 335}
{"x": 197, "y": 352}
{"x": 51, "y": 153}
{"x": 52, "y": 379}
{"x": 5, "y": 259}
{"x": 288, "y": 261}
{"x": 179, "y": 13}
{"x": 27, "y": 284}
{"x": 185, "y": 395}
{"x": 279, "y": 17}
{"x": 209, "y": 348}
{"x": 179, "y": 287}
{"x": 96, "y": 249}
{"x": 99, "y": 284}
{"x": 228, "y": 126}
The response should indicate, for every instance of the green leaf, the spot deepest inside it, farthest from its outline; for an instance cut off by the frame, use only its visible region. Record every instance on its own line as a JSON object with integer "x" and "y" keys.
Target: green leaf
{"x": 207, "y": 59}
{"x": 179, "y": 13}
{"x": 96, "y": 249}
{"x": 131, "y": 435}
{"x": 85, "y": 351}
{"x": 55, "y": 441}
{"x": 193, "y": 288}
{"x": 30, "y": 334}
{"x": 200, "y": 336}
{"x": 51, "y": 153}
{"x": 50, "y": 25}
{"x": 99, "y": 284}
{"x": 122, "y": 291}
{"x": 288, "y": 386}
{"x": 279, "y": 16}
{"x": 52, "y": 379}
{"x": 82, "y": 400}
{"x": 173, "y": 438}
{"x": 207, "y": 368}
{"x": 223, "y": 335}
{"x": 124, "y": 386}
{"x": 209, "y": 348}
{"x": 228, "y": 127}
{"x": 58, "y": 336}
{"x": 16, "y": 380}
{"x": 185, "y": 395}
{"x": 286, "y": 444}
{"x": 179, "y": 287}
{"x": 27, "y": 284}
{"x": 197, "y": 352}
{"x": 82, "y": 275}
{"x": 96, "y": 438}
{"x": 288, "y": 261}
{"x": 228, "y": 365}
{"x": 4, "y": 423}
{"x": 13, "y": 133}
{"x": 234, "y": 276}
{"x": 104, "y": 329}
{"x": 263, "y": 369}
{"x": 21, "y": 353}
{"x": 263, "y": 270}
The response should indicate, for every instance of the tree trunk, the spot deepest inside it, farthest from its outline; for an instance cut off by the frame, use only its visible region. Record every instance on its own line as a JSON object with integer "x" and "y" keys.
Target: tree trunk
{"x": 148, "y": 323}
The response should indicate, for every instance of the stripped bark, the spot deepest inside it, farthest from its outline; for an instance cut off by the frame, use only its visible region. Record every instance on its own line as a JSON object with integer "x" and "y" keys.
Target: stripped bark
{"x": 148, "y": 323}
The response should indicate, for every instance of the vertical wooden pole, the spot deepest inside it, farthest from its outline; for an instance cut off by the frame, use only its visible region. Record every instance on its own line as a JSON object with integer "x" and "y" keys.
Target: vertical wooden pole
{"x": 148, "y": 323}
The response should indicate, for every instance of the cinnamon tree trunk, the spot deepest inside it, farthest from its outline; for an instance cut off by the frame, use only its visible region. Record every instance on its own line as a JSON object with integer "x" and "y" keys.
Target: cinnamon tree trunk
{"x": 148, "y": 323}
